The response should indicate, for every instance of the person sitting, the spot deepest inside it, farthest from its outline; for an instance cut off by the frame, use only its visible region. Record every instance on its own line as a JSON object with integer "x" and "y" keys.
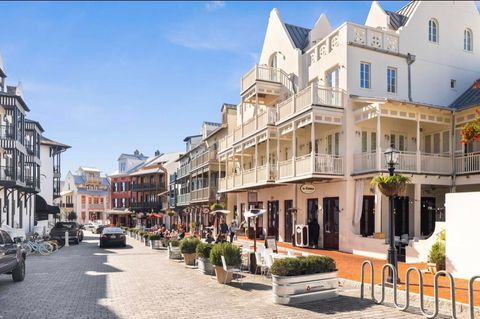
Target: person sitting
{"x": 209, "y": 238}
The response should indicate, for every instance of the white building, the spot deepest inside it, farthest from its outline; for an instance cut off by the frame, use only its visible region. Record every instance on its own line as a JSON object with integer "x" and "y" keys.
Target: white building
{"x": 323, "y": 104}
{"x": 86, "y": 193}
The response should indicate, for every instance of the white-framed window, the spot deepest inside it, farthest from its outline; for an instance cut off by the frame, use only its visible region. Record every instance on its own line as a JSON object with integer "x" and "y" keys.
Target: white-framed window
{"x": 467, "y": 40}
{"x": 391, "y": 80}
{"x": 453, "y": 83}
{"x": 433, "y": 30}
{"x": 365, "y": 75}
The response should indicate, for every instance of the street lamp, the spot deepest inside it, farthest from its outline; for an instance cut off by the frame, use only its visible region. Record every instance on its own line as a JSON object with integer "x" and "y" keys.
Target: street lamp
{"x": 391, "y": 159}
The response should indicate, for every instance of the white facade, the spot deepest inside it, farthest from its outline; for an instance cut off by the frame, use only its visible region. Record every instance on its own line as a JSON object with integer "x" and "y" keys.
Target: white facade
{"x": 322, "y": 105}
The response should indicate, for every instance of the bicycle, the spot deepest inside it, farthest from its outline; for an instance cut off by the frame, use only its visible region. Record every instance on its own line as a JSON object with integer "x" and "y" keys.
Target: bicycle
{"x": 38, "y": 246}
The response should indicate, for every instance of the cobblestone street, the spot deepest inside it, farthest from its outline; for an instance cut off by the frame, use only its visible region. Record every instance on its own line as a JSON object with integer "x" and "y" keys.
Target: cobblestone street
{"x": 85, "y": 281}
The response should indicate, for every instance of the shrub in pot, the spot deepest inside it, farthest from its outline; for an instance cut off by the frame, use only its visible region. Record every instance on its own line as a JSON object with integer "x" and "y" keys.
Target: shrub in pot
{"x": 174, "y": 250}
{"x": 391, "y": 185}
{"x": 188, "y": 248}
{"x": 233, "y": 257}
{"x": 303, "y": 279}
{"x": 154, "y": 240}
{"x": 436, "y": 258}
{"x": 203, "y": 256}
{"x": 146, "y": 235}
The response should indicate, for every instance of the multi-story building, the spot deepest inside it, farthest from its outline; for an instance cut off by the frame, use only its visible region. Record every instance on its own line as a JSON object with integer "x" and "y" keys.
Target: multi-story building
{"x": 50, "y": 175}
{"x": 150, "y": 187}
{"x": 120, "y": 187}
{"x": 19, "y": 158}
{"x": 322, "y": 105}
{"x": 89, "y": 192}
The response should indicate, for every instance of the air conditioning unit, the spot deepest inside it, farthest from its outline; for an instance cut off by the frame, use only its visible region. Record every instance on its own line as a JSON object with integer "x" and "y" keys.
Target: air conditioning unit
{"x": 301, "y": 236}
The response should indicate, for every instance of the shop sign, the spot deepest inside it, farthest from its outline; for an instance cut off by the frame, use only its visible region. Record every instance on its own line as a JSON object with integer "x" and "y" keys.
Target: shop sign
{"x": 307, "y": 188}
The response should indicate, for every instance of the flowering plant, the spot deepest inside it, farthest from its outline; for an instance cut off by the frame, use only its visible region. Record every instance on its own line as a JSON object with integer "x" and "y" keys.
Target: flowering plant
{"x": 471, "y": 130}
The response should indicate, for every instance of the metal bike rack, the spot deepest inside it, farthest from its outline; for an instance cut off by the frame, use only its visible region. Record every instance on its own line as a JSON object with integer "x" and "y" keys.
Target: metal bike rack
{"x": 420, "y": 286}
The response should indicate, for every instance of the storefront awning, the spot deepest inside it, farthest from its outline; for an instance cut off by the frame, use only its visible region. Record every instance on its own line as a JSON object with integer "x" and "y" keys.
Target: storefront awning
{"x": 155, "y": 215}
{"x": 42, "y": 209}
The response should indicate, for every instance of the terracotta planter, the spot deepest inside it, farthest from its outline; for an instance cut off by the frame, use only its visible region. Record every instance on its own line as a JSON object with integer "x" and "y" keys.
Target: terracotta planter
{"x": 392, "y": 189}
{"x": 221, "y": 273}
{"x": 190, "y": 259}
{"x": 435, "y": 267}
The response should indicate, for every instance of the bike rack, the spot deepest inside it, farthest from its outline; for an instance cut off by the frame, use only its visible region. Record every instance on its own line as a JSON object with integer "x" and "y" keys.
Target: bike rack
{"x": 420, "y": 287}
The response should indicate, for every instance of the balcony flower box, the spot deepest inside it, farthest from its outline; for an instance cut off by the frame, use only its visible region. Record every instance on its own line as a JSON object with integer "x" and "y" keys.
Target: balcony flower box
{"x": 304, "y": 279}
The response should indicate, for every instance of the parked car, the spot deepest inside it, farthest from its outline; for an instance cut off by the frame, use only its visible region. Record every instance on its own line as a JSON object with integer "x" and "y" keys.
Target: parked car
{"x": 100, "y": 229}
{"x": 75, "y": 232}
{"x": 112, "y": 236}
{"x": 12, "y": 257}
{"x": 90, "y": 227}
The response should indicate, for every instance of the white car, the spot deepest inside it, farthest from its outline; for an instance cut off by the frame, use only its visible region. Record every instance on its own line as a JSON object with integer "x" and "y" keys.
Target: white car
{"x": 91, "y": 227}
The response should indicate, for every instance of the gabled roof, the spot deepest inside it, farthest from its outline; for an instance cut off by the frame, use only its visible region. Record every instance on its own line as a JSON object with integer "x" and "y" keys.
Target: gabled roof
{"x": 468, "y": 98}
{"x": 299, "y": 35}
{"x": 78, "y": 179}
{"x": 399, "y": 19}
{"x": 408, "y": 9}
{"x": 139, "y": 156}
{"x": 49, "y": 142}
{"x": 89, "y": 169}
{"x": 186, "y": 139}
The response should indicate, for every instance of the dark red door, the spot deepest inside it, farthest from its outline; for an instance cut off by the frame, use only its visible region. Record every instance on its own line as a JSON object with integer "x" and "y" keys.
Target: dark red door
{"x": 331, "y": 223}
{"x": 273, "y": 219}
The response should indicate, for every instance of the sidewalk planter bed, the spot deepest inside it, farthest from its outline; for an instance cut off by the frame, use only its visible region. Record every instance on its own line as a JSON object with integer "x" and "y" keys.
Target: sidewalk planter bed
{"x": 188, "y": 247}
{"x": 233, "y": 257}
{"x": 174, "y": 250}
{"x": 436, "y": 258}
{"x": 304, "y": 279}
{"x": 155, "y": 242}
{"x": 203, "y": 255}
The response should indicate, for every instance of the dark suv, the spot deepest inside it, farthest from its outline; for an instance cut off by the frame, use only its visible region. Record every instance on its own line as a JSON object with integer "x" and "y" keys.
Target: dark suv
{"x": 12, "y": 257}
{"x": 75, "y": 232}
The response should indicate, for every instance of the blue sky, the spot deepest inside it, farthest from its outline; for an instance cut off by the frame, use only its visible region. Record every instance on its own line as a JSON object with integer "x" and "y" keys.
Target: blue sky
{"x": 112, "y": 77}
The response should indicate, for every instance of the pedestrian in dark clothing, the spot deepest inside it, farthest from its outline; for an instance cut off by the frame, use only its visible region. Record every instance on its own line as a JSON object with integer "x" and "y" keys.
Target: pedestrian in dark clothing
{"x": 310, "y": 232}
{"x": 315, "y": 232}
{"x": 223, "y": 227}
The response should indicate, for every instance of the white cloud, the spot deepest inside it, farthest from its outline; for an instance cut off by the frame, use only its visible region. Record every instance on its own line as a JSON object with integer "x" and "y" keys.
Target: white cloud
{"x": 214, "y": 5}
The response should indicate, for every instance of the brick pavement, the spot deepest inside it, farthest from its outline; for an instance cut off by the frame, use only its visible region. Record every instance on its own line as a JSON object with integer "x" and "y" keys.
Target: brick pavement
{"x": 84, "y": 282}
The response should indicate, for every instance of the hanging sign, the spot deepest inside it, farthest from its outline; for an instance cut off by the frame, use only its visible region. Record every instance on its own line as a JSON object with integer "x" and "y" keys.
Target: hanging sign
{"x": 307, "y": 188}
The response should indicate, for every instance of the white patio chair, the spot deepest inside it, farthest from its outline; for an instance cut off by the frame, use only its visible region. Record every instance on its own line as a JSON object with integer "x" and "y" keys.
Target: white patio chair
{"x": 268, "y": 263}
{"x": 233, "y": 270}
{"x": 291, "y": 253}
{"x": 260, "y": 263}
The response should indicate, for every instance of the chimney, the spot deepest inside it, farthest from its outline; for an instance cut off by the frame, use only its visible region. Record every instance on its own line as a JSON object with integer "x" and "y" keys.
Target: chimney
{"x": 157, "y": 153}
{"x": 136, "y": 152}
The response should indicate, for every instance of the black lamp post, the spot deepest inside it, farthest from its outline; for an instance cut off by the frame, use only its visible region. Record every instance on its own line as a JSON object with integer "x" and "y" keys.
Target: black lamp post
{"x": 391, "y": 159}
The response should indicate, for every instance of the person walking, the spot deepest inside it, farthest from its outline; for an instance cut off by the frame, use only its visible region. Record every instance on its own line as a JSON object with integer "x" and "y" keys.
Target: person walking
{"x": 223, "y": 227}
{"x": 233, "y": 230}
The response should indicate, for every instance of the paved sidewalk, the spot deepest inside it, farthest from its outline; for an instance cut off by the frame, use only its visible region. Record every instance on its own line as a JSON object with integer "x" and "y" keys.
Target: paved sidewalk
{"x": 136, "y": 282}
{"x": 349, "y": 268}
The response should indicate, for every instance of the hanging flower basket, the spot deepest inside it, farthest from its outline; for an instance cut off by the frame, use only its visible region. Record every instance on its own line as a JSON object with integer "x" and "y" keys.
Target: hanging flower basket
{"x": 171, "y": 213}
{"x": 216, "y": 206}
{"x": 395, "y": 185}
{"x": 471, "y": 131}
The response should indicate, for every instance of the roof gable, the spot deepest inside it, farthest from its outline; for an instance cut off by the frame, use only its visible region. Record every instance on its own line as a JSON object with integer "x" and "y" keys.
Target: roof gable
{"x": 299, "y": 35}
{"x": 470, "y": 97}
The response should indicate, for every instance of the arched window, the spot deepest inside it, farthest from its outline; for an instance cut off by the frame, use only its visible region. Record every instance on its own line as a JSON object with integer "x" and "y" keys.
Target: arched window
{"x": 273, "y": 60}
{"x": 433, "y": 31}
{"x": 467, "y": 40}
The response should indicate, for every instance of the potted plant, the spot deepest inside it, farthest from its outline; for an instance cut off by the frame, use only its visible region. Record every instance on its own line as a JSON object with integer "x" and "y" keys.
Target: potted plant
{"x": 146, "y": 236}
{"x": 304, "y": 279}
{"x": 471, "y": 130}
{"x": 436, "y": 258}
{"x": 188, "y": 247}
{"x": 203, "y": 257}
{"x": 233, "y": 257}
{"x": 216, "y": 206}
{"x": 174, "y": 250}
{"x": 155, "y": 240}
{"x": 391, "y": 185}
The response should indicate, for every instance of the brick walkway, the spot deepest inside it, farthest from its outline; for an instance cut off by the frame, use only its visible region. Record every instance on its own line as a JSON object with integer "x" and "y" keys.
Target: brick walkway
{"x": 349, "y": 268}
{"x": 84, "y": 282}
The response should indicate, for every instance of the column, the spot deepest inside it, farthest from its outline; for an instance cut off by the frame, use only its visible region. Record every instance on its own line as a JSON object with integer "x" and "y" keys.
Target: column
{"x": 312, "y": 136}
{"x": 419, "y": 161}
{"x": 378, "y": 210}
{"x": 241, "y": 164}
{"x": 256, "y": 111}
{"x": 417, "y": 211}
{"x": 255, "y": 163}
{"x": 294, "y": 149}
{"x": 268, "y": 158}
{"x": 379, "y": 139}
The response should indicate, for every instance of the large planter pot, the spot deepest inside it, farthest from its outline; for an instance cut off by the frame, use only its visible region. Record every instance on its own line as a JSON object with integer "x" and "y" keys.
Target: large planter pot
{"x": 392, "y": 189}
{"x": 307, "y": 288}
{"x": 190, "y": 259}
{"x": 174, "y": 253}
{"x": 156, "y": 244}
{"x": 221, "y": 274}
{"x": 142, "y": 239}
{"x": 205, "y": 266}
{"x": 146, "y": 241}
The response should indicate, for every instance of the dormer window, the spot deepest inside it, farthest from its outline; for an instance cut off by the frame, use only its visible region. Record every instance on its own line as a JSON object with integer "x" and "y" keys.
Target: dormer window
{"x": 467, "y": 40}
{"x": 433, "y": 31}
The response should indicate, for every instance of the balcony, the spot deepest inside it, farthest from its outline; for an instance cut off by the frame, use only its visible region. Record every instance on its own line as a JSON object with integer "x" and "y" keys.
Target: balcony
{"x": 266, "y": 84}
{"x": 92, "y": 180}
{"x": 467, "y": 163}
{"x": 56, "y": 171}
{"x": 183, "y": 199}
{"x": 409, "y": 162}
{"x": 203, "y": 194}
{"x": 306, "y": 166}
{"x": 203, "y": 159}
{"x": 96, "y": 206}
{"x": 183, "y": 171}
{"x": 7, "y": 132}
{"x": 146, "y": 205}
{"x": 67, "y": 205}
{"x": 7, "y": 173}
{"x": 258, "y": 176}
{"x": 147, "y": 187}
{"x": 312, "y": 95}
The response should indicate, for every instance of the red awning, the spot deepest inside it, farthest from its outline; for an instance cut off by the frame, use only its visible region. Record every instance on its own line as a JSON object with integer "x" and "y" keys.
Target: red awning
{"x": 154, "y": 215}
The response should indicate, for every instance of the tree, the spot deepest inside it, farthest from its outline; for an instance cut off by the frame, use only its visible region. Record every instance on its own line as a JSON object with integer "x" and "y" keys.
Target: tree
{"x": 72, "y": 216}
{"x": 471, "y": 130}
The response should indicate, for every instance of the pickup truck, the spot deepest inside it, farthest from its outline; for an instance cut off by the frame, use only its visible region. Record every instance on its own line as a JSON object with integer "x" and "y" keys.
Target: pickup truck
{"x": 12, "y": 257}
{"x": 75, "y": 233}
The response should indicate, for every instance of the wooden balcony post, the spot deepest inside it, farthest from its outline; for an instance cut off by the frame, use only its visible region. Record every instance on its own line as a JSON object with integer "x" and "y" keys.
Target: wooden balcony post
{"x": 312, "y": 137}
{"x": 255, "y": 113}
{"x": 294, "y": 149}
{"x": 419, "y": 160}
{"x": 241, "y": 164}
{"x": 255, "y": 164}
{"x": 268, "y": 158}
{"x": 379, "y": 140}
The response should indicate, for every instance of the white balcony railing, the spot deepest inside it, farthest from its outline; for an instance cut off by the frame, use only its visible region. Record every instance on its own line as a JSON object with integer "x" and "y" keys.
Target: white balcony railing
{"x": 183, "y": 199}
{"x": 203, "y": 159}
{"x": 436, "y": 163}
{"x": 183, "y": 171}
{"x": 467, "y": 163}
{"x": 265, "y": 73}
{"x": 329, "y": 164}
{"x": 311, "y": 95}
{"x": 96, "y": 206}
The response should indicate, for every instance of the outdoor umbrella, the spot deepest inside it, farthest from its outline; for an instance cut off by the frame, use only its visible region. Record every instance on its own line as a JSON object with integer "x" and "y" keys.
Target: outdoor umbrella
{"x": 254, "y": 213}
